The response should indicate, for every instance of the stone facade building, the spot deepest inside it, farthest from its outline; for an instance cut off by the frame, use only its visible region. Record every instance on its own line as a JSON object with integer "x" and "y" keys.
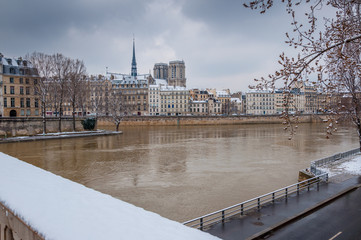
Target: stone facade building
{"x": 18, "y": 81}
{"x": 160, "y": 71}
{"x": 177, "y": 74}
{"x": 260, "y": 102}
{"x": 209, "y": 107}
{"x": 168, "y": 100}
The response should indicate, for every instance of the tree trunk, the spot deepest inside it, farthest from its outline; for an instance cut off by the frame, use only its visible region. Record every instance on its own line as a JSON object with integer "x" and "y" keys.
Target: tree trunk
{"x": 60, "y": 115}
{"x": 358, "y": 124}
{"x": 73, "y": 116}
{"x": 44, "y": 117}
{"x": 117, "y": 126}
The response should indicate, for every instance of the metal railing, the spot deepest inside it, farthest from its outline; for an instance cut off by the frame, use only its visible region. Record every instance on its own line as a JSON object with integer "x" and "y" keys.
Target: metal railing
{"x": 254, "y": 203}
{"x": 327, "y": 160}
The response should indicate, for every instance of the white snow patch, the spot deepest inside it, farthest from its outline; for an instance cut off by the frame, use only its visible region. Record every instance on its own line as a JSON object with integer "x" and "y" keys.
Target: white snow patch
{"x": 352, "y": 166}
{"x": 61, "y": 209}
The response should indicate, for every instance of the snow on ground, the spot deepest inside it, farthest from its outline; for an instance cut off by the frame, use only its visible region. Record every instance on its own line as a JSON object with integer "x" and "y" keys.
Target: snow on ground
{"x": 61, "y": 209}
{"x": 350, "y": 166}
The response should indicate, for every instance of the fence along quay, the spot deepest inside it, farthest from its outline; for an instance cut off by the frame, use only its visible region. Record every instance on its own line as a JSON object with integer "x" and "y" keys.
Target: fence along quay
{"x": 255, "y": 203}
{"x": 269, "y": 198}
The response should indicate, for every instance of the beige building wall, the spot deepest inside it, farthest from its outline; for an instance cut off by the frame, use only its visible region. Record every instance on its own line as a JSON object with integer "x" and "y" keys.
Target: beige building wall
{"x": 18, "y": 82}
{"x": 174, "y": 101}
{"x": 260, "y": 102}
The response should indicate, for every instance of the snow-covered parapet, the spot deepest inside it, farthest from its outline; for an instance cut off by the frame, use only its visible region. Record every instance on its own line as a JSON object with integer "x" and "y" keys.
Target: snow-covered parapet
{"x": 58, "y": 208}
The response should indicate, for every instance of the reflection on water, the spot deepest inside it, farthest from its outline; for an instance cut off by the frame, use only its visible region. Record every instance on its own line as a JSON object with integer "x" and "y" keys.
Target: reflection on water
{"x": 184, "y": 172}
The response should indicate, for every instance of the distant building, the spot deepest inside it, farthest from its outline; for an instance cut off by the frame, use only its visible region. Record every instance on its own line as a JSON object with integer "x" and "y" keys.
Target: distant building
{"x": 160, "y": 71}
{"x": 260, "y": 102}
{"x": 199, "y": 94}
{"x": 209, "y": 107}
{"x": 174, "y": 73}
{"x": 18, "y": 81}
{"x": 133, "y": 88}
{"x": 168, "y": 100}
{"x": 235, "y": 106}
{"x": 177, "y": 74}
{"x": 224, "y": 97}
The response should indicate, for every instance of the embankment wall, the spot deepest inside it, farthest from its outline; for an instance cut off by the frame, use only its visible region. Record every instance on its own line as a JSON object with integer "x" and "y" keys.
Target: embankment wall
{"x": 199, "y": 120}
{"x": 10, "y": 127}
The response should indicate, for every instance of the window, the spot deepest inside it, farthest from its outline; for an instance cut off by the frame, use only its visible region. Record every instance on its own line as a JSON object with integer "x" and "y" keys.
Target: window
{"x": 27, "y": 80}
{"x": 36, "y": 102}
{"x": 35, "y": 81}
{"x": 27, "y": 112}
{"x": 4, "y": 89}
{"x": 21, "y": 90}
{"x": 36, "y": 112}
{"x": 21, "y": 80}
{"x": 12, "y": 70}
{"x": 28, "y": 102}
{"x": 5, "y": 102}
{"x": 11, "y": 80}
{"x": 22, "y": 102}
{"x": 12, "y": 102}
{"x": 27, "y": 90}
{"x": 22, "y": 112}
{"x": 12, "y": 90}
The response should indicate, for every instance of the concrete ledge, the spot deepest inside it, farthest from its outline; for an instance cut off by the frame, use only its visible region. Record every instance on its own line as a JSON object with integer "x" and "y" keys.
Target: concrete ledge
{"x": 60, "y": 136}
{"x": 304, "y": 213}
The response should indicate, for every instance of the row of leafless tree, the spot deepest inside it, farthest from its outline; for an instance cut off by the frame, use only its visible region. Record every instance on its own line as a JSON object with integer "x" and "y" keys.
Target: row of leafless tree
{"x": 63, "y": 80}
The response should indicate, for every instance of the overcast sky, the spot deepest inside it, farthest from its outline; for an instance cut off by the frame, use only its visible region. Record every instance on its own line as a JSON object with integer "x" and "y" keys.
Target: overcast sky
{"x": 223, "y": 44}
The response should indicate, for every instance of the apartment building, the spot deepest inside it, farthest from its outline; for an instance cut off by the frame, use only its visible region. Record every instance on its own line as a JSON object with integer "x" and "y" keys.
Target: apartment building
{"x": 260, "y": 102}
{"x": 18, "y": 81}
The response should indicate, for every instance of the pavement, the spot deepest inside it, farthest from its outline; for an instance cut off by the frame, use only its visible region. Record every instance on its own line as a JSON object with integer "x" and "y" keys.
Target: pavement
{"x": 59, "y": 136}
{"x": 261, "y": 224}
{"x": 338, "y": 220}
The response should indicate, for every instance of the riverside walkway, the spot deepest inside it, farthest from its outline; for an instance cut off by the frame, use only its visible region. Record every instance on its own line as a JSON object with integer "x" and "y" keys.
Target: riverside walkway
{"x": 261, "y": 224}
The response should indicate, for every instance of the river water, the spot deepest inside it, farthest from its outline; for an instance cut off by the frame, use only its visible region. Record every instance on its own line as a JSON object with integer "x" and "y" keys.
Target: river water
{"x": 187, "y": 171}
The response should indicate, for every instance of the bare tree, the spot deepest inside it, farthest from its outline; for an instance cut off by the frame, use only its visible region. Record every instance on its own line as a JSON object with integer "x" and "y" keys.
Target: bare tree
{"x": 75, "y": 81}
{"x": 62, "y": 71}
{"x": 329, "y": 57}
{"x": 117, "y": 109}
{"x": 42, "y": 62}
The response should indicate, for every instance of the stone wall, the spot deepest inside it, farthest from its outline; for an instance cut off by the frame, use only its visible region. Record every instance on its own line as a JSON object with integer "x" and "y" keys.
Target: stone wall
{"x": 13, "y": 228}
{"x": 30, "y": 126}
{"x": 10, "y": 127}
{"x": 206, "y": 120}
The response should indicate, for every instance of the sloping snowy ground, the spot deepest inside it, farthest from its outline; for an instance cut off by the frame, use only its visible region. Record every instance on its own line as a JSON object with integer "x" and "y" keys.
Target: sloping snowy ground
{"x": 350, "y": 166}
{"x": 61, "y": 209}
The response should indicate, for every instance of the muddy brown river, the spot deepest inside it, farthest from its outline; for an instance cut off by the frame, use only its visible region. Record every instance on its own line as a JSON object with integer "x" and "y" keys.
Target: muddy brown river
{"x": 185, "y": 172}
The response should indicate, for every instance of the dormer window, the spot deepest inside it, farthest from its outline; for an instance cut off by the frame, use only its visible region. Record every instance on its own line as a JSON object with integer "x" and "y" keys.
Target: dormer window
{"x": 9, "y": 61}
{"x": 12, "y": 70}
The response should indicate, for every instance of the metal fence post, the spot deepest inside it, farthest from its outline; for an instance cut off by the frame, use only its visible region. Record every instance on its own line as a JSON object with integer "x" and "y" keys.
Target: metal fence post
{"x": 298, "y": 188}
{"x": 201, "y": 223}
{"x": 273, "y": 197}
{"x": 242, "y": 209}
{"x": 258, "y": 203}
{"x": 286, "y": 193}
{"x": 223, "y": 216}
{"x": 308, "y": 185}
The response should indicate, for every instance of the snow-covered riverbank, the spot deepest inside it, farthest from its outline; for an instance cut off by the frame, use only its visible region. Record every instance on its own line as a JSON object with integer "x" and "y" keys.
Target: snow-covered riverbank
{"x": 61, "y": 209}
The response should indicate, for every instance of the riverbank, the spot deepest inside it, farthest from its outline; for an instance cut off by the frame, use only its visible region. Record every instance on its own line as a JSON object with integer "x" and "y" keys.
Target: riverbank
{"x": 60, "y": 135}
{"x": 207, "y": 120}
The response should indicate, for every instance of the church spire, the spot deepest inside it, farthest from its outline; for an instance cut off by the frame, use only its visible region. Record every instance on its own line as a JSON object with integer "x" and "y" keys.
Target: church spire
{"x": 134, "y": 63}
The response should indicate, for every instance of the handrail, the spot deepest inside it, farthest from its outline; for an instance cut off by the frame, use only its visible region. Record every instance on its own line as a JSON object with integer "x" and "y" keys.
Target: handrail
{"x": 257, "y": 202}
{"x": 335, "y": 157}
